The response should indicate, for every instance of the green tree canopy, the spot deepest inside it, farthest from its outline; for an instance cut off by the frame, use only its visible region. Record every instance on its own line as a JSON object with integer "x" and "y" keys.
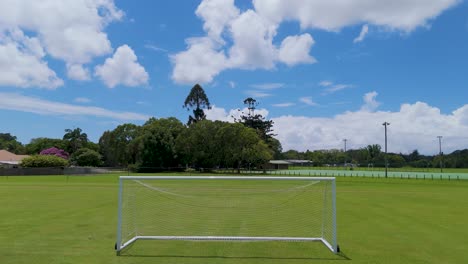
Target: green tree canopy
{"x": 9, "y": 142}
{"x": 118, "y": 146}
{"x": 256, "y": 121}
{"x": 209, "y": 144}
{"x": 198, "y": 145}
{"x": 242, "y": 146}
{"x": 86, "y": 157}
{"x": 156, "y": 143}
{"x": 75, "y": 139}
{"x": 36, "y": 145}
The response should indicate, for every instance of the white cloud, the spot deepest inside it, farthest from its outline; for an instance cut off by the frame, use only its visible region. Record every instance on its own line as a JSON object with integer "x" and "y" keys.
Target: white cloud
{"x": 17, "y": 102}
{"x": 232, "y": 84}
{"x": 257, "y": 94}
{"x": 370, "y": 103}
{"x": 307, "y": 101}
{"x": 22, "y": 64}
{"x": 217, "y": 14}
{"x": 71, "y": 31}
{"x": 338, "y": 87}
{"x": 78, "y": 72}
{"x": 251, "y": 33}
{"x": 218, "y": 113}
{"x": 250, "y": 47}
{"x": 252, "y": 36}
{"x": 332, "y": 87}
{"x": 267, "y": 86}
{"x": 363, "y": 34}
{"x": 332, "y": 15}
{"x": 199, "y": 63}
{"x": 295, "y": 50}
{"x": 83, "y": 100}
{"x": 283, "y": 104}
{"x": 155, "y": 48}
{"x": 414, "y": 126}
{"x": 123, "y": 68}
{"x": 325, "y": 83}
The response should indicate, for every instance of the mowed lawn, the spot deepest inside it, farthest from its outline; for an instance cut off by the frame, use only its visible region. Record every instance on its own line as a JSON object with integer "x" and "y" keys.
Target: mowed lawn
{"x": 52, "y": 219}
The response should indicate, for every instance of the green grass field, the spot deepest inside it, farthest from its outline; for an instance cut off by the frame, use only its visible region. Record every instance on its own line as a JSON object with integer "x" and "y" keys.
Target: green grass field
{"x": 402, "y": 173}
{"x": 55, "y": 219}
{"x": 402, "y": 169}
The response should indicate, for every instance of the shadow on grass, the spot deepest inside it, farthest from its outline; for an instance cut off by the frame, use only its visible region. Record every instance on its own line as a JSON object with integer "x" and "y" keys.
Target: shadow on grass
{"x": 134, "y": 251}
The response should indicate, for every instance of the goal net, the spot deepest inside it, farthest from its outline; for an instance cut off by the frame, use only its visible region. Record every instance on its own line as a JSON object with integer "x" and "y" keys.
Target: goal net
{"x": 233, "y": 208}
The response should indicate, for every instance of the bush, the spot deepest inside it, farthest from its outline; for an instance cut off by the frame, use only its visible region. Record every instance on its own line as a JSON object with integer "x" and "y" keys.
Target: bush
{"x": 86, "y": 157}
{"x": 43, "y": 161}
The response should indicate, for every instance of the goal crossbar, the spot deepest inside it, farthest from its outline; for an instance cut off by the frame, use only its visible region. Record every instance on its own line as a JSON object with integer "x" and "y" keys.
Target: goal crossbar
{"x": 331, "y": 245}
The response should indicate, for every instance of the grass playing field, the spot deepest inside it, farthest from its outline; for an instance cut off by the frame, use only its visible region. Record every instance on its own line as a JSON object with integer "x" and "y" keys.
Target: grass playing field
{"x": 52, "y": 219}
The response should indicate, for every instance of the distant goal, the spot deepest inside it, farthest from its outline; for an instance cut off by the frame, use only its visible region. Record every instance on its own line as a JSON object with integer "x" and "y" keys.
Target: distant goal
{"x": 227, "y": 208}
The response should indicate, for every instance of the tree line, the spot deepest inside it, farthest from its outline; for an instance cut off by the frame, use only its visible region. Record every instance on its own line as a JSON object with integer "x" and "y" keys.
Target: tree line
{"x": 164, "y": 142}
{"x": 373, "y": 156}
{"x": 201, "y": 143}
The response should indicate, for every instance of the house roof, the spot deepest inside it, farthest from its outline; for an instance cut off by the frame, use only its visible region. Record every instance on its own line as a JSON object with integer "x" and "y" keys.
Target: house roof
{"x": 8, "y": 157}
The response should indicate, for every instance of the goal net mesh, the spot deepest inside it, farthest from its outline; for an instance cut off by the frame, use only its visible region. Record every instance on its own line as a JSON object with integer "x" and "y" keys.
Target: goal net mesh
{"x": 226, "y": 208}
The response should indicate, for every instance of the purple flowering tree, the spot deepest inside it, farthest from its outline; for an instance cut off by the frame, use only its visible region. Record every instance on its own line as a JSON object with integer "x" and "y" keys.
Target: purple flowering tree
{"x": 56, "y": 152}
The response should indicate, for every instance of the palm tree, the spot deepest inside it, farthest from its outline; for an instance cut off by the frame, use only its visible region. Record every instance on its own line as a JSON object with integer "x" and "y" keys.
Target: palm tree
{"x": 75, "y": 139}
{"x": 373, "y": 152}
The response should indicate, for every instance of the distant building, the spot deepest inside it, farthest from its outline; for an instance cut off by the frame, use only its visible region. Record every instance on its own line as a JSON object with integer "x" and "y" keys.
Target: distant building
{"x": 8, "y": 159}
{"x": 300, "y": 162}
{"x": 276, "y": 165}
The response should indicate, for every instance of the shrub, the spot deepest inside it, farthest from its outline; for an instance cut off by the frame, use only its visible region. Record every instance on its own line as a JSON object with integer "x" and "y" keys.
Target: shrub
{"x": 86, "y": 157}
{"x": 43, "y": 161}
{"x": 56, "y": 152}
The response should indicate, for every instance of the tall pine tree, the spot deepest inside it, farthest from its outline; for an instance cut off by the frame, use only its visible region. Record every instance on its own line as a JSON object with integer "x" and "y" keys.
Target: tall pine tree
{"x": 197, "y": 100}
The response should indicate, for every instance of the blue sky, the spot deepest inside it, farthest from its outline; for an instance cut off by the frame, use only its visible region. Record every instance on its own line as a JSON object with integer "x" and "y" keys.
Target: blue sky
{"x": 322, "y": 70}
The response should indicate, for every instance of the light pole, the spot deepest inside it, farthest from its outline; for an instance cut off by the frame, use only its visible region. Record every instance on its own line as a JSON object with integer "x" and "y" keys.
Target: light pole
{"x": 345, "y": 140}
{"x": 385, "y": 124}
{"x": 440, "y": 152}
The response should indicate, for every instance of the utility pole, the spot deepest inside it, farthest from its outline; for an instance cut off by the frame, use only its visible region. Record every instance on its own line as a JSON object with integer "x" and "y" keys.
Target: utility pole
{"x": 345, "y": 140}
{"x": 385, "y": 124}
{"x": 440, "y": 152}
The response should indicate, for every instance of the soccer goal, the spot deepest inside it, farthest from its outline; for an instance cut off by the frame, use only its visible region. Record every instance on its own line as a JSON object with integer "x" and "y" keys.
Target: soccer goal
{"x": 227, "y": 208}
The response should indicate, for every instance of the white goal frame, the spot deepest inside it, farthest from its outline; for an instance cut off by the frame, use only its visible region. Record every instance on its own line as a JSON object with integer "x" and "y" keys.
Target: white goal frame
{"x": 332, "y": 245}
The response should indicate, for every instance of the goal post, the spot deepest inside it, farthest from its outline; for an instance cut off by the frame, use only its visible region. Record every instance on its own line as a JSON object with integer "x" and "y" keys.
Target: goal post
{"x": 226, "y": 208}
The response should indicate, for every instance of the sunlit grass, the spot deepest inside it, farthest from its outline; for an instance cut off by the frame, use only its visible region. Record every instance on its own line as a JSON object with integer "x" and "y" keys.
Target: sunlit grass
{"x": 59, "y": 219}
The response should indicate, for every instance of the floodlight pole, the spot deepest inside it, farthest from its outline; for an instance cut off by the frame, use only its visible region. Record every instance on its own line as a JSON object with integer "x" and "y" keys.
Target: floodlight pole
{"x": 385, "y": 124}
{"x": 440, "y": 152}
{"x": 345, "y": 140}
